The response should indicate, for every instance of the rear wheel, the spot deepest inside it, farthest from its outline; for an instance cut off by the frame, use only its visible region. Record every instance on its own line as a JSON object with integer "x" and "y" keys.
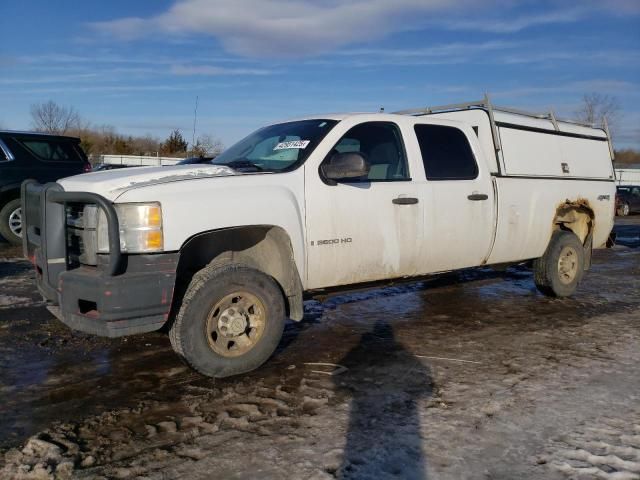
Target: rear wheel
{"x": 559, "y": 271}
{"x": 623, "y": 210}
{"x": 11, "y": 222}
{"x": 230, "y": 322}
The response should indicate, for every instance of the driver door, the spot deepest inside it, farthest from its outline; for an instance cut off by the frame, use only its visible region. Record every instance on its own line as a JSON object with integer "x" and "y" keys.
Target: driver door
{"x": 364, "y": 229}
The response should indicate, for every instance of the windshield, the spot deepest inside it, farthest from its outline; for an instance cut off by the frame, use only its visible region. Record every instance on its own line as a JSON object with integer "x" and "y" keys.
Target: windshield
{"x": 276, "y": 148}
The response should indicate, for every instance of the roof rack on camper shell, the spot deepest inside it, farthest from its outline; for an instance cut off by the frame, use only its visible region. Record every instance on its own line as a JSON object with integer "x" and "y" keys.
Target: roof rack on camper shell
{"x": 486, "y": 104}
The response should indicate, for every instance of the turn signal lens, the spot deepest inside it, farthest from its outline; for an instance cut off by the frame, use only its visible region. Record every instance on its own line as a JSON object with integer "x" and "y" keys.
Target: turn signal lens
{"x": 154, "y": 241}
{"x": 140, "y": 228}
{"x": 154, "y": 216}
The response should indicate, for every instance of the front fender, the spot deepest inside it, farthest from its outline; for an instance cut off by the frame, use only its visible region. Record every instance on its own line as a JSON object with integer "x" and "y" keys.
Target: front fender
{"x": 200, "y": 205}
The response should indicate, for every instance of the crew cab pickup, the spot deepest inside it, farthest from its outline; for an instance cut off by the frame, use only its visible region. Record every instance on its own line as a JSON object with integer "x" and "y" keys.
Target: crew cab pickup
{"x": 222, "y": 254}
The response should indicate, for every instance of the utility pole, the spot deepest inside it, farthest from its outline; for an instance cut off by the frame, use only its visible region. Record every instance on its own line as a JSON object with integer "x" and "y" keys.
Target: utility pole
{"x": 195, "y": 119}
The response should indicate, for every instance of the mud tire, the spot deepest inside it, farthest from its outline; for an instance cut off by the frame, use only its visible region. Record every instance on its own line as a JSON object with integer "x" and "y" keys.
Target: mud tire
{"x": 5, "y": 214}
{"x": 546, "y": 270}
{"x": 188, "y": 331}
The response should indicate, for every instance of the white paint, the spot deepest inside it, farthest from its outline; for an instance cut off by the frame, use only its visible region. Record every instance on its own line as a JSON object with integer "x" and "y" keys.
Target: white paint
{"x": 529, "y": 153}
{"x": 110, "y": 183}
{"x": 371, "y": 238}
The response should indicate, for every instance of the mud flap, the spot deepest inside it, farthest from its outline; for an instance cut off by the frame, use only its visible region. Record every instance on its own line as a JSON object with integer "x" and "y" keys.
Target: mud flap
{"x": 588, "y": 251}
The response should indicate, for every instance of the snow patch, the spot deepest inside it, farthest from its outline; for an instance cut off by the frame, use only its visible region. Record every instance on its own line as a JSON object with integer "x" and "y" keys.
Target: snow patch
{"x": 11, "y": 301}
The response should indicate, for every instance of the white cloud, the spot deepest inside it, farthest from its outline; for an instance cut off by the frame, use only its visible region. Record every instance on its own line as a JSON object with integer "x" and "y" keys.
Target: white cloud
{"x": 618, "y": 7}
{"x": 438, "y": 50}
{"x": 213, "y": 70}
{"x": 284, "y": 28}
{"x": 49, "y": 79}
{"x": 298, "y": 28}
{"x": 512, "y": 25}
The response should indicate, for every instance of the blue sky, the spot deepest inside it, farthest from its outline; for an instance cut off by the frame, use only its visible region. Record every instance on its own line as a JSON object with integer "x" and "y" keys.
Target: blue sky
{"x": 139, "y": 65}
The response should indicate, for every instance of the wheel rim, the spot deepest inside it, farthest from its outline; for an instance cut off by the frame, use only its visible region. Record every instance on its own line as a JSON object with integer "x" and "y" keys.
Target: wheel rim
{"x": 15, "y": 222}
{"x": 568, "y": 265}
{"x": 625, "y": 210}
{"x": 235, "y": 324}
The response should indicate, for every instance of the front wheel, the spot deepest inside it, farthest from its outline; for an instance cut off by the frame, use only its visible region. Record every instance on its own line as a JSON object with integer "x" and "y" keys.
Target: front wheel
{"x": 559, "y": 271}
{"x": 230, "y": 322}
{"x": 11, "y": 222}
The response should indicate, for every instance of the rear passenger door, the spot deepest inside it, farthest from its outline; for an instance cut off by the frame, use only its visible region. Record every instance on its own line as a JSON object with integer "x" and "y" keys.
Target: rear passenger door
{"x": 458, "y": 199}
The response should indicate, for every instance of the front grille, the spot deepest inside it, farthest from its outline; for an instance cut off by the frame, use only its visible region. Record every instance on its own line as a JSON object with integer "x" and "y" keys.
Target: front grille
{"x": 81, "y": 235}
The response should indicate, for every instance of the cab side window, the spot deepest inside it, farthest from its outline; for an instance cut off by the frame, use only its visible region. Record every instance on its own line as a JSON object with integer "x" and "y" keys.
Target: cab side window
{"x": 446, "y": 153}
{"x": 381, "y": 144}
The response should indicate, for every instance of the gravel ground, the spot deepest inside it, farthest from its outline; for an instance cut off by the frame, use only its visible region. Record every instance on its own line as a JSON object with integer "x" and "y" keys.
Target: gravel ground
{"x": 467, "y": 375}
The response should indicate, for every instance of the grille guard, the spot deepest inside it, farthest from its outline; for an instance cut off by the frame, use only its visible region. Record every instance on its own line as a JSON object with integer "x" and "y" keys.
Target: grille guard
{"x": 44, "y": 229}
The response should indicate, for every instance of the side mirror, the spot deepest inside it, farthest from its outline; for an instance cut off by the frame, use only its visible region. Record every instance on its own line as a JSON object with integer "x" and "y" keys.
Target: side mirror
{"x": 344, "y": 166}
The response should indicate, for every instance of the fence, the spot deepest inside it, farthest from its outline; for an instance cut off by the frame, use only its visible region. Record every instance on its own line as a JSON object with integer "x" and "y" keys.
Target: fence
{"x": 628, "y": 176}
{"x": 138, "y": 160}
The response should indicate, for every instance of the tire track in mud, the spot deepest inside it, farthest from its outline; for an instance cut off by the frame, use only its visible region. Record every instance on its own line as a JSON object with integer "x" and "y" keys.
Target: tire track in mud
{"x": 120, "y": 443}
{"x": 608, "y": 449}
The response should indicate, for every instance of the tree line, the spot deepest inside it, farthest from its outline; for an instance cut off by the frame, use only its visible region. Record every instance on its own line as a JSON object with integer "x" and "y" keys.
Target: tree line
{"x": 96, "y": 140}
{"x": 49, "y": 117}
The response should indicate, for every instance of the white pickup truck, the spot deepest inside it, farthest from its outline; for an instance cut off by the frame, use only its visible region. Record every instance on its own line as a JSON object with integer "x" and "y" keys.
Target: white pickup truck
{"x": 222, "y": 254}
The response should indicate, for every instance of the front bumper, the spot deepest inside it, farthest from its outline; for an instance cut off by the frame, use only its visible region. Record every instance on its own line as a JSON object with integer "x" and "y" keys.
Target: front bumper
{"x": 122, "y": 295}
{"x": 136, "y": 301}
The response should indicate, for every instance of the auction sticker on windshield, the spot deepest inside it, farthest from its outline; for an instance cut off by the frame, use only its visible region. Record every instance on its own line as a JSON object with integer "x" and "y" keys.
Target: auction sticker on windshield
{"x": 292, "y": 144}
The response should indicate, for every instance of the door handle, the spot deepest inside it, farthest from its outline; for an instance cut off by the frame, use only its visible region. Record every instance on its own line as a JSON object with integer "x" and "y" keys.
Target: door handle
{"x": 405, "y": 201}
{"x": 478, "y": 196}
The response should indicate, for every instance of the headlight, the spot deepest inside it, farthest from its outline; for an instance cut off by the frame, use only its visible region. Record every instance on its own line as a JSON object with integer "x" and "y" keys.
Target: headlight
{"x": 140, "y": 228}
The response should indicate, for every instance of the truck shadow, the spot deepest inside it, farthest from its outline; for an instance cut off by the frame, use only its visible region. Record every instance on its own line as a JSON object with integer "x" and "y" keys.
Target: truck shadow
{"x": 315, "y": 309}
{"x": 385, "y": 383}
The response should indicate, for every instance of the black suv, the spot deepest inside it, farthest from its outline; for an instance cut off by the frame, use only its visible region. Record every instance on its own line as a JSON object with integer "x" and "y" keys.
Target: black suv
{"x": 45, "y": 158}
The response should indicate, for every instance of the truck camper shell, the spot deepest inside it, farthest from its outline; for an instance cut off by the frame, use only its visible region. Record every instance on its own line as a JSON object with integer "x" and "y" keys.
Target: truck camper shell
{"x": 524, "y": 144}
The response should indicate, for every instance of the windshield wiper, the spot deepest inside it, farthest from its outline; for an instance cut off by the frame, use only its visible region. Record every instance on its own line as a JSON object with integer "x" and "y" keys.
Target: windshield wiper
{"x": 243, "y": 164}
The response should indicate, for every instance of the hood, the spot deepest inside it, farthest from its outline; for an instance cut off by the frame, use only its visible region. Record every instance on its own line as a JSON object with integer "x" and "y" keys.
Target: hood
{"x": 112, "y": 183}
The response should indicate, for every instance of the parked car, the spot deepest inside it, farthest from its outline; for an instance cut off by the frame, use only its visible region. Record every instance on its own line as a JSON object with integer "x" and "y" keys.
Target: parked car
{"x": 195, "y": 160}
{"x": 45, "y": 158}
{"x": 299, "y": 209}
{"x": 627, "y": 200}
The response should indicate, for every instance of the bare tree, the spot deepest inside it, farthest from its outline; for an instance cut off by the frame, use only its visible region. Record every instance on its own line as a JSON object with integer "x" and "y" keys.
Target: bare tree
{"x": 206, "y": 146}
{"x": 49, "y": 117}
{"x": 597, "y": 107}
